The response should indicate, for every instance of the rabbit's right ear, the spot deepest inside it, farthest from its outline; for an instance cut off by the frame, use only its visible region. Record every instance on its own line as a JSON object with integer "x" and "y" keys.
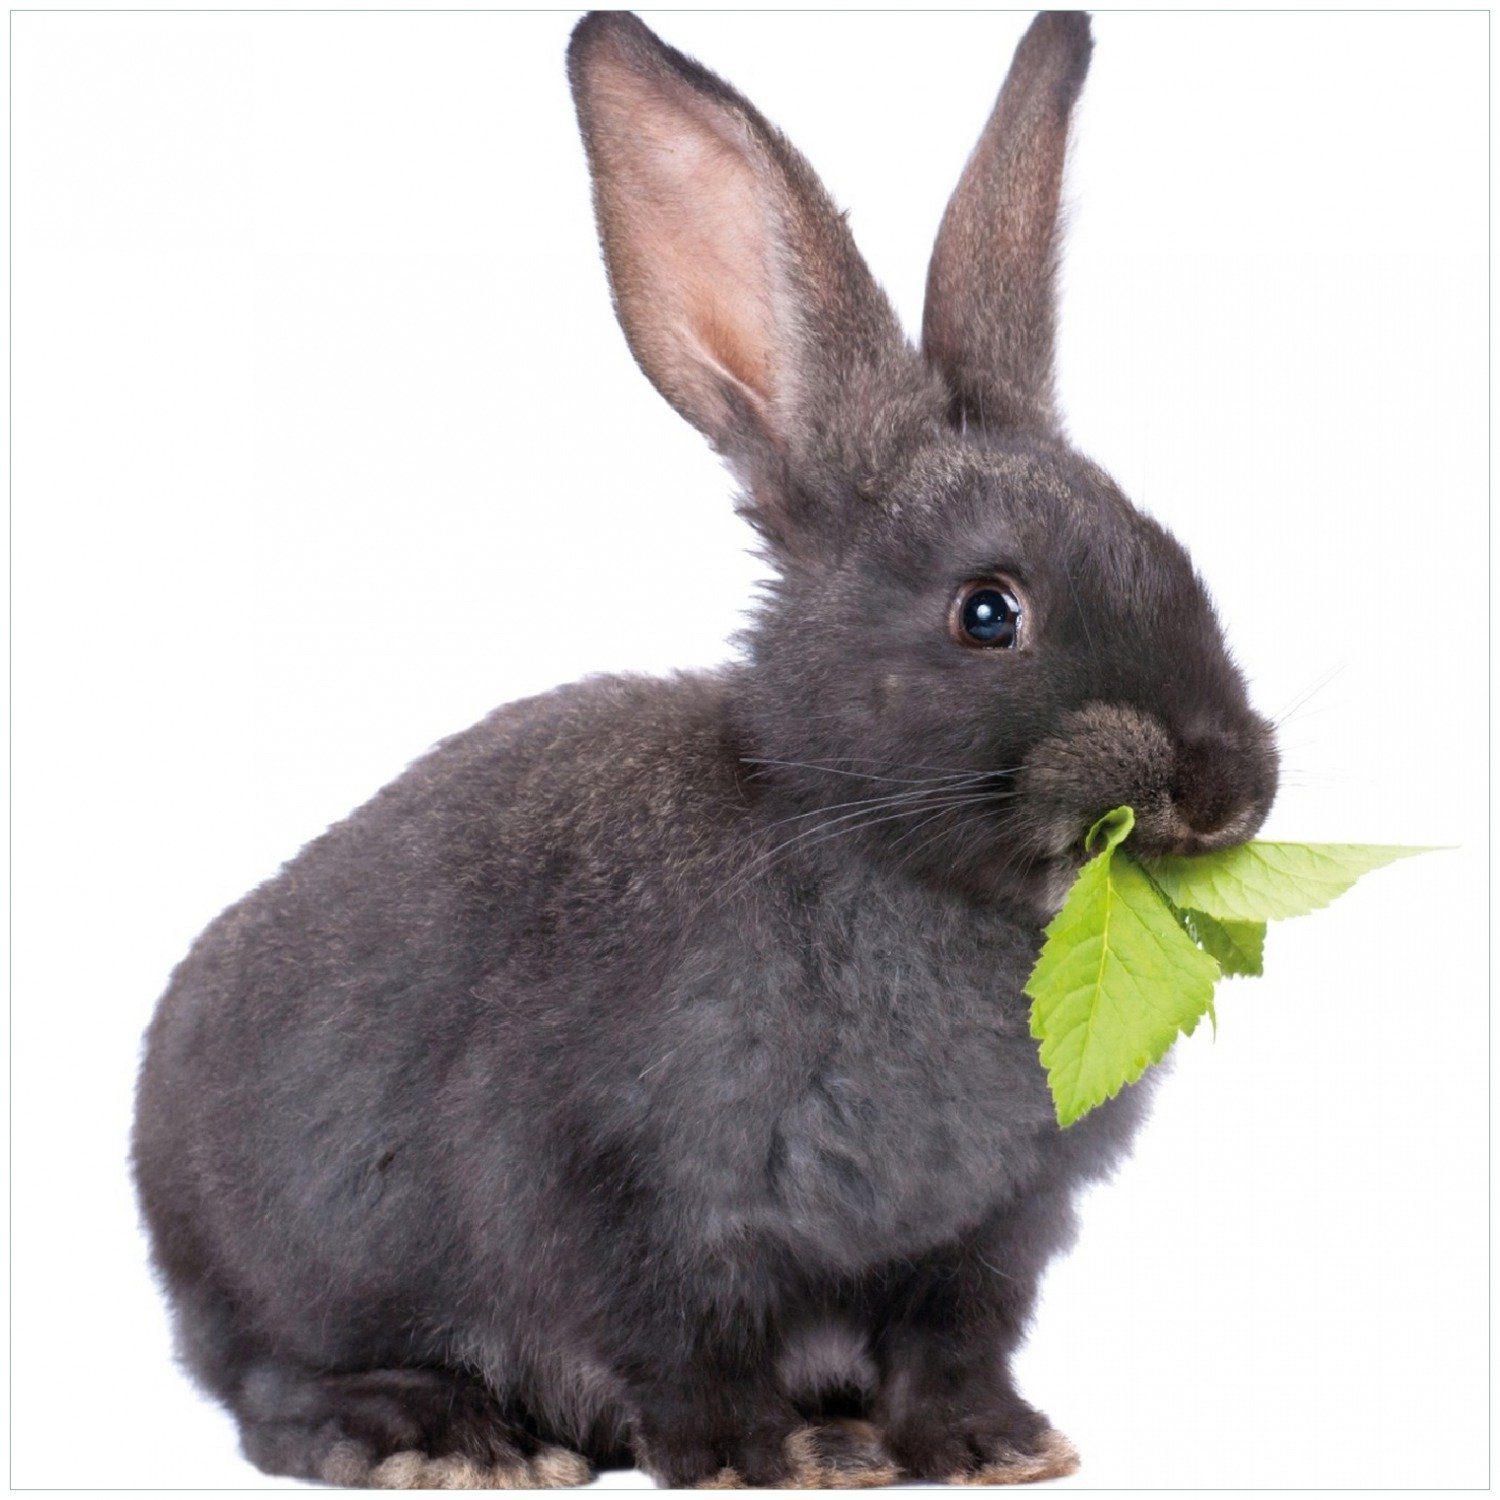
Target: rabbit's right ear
{"x": 739, "y": 287}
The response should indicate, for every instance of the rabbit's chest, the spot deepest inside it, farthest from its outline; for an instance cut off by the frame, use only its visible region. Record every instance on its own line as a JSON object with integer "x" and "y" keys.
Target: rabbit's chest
{"x": 919, "y": 1113}
{"x": 884, "y": 1099}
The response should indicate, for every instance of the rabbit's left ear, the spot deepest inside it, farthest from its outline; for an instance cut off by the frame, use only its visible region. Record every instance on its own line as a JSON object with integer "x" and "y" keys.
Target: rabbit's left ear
{"x": 990, "y": 316}
{"x": 739, "y": 287}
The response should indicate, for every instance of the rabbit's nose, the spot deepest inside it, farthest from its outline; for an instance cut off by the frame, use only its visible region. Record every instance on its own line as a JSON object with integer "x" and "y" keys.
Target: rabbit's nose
{"x": 1207, "y": 786}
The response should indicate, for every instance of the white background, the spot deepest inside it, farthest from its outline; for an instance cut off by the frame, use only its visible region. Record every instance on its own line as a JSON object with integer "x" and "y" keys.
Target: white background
{"x": 321, "y": 415}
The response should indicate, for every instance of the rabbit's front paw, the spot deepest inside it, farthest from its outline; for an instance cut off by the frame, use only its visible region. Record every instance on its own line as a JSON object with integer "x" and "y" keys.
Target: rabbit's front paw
{"x": 835, "y": 1457}
{"x": 780, "y": 1453}
{"x": 1049, "y": 1457}
{"x": 977, "y": 1451}
{"x": 841, "y": 1455}
{"x": 692, "y": 1459}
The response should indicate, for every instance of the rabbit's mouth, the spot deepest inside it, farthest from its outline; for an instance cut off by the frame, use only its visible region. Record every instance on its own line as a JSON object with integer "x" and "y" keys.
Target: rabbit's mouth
{"x": 1190, "y": 795}
{"x": 1162, "y": 830}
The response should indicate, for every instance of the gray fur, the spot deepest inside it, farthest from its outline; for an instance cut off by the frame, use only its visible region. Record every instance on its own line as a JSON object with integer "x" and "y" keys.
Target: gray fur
{"x": 654, "y": 1041}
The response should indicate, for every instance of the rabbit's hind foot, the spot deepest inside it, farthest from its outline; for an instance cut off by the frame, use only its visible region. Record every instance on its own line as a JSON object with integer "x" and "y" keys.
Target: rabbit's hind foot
{"x": 395, "y": 1430}
{"x": 549, "y": 1468}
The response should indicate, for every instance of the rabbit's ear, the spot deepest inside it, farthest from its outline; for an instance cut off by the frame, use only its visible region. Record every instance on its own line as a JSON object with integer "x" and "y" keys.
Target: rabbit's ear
{"x": 990, "y": 314}
{"x": 737, "y": 282}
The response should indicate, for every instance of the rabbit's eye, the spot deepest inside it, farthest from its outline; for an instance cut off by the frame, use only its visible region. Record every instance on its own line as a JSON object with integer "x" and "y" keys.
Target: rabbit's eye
{"x": 986, "y": 612}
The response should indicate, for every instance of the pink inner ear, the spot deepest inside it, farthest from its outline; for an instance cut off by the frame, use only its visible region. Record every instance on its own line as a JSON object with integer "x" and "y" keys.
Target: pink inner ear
{"x": 688, "y": 239}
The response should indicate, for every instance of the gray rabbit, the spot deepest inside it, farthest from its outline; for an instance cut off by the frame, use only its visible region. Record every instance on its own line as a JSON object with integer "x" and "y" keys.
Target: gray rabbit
{"x": 644, "y": 1076}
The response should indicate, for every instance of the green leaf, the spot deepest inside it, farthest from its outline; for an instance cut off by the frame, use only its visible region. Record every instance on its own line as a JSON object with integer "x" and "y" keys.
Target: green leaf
{"x": 1116, "y": 981}
{"x": 1239, "y": 947}
{"x": 1132, "y": 957}
{"x": 1264, "y": 881}
{"x": 1112, "y": 830}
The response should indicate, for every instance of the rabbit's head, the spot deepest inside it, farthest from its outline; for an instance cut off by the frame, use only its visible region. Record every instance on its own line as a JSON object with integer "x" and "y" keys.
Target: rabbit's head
{"x": 973, "y": 641}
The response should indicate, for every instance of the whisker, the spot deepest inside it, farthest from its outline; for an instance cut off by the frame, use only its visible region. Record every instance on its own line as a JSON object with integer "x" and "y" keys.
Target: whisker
{"x": 833, "y": 764}
{"x": 919, "y": 806}
{"x": 846, "y": 823}
{"x": 910, "y": 857}
{"x": 1303, "y": 698}
{"x": 883, "y": 800}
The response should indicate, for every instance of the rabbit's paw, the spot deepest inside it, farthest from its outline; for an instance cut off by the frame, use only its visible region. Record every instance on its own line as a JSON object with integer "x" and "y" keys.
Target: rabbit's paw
{"x": 394, "y": 1430}
{"x": 750, "y": 1462}
{"x": 986, "y": 1454}
{"x": 836, "y": 1456}
{"x": 844, "y": 1455}
{"x": 1051, "y": 1457}
{"x": 547, "y": 1469}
